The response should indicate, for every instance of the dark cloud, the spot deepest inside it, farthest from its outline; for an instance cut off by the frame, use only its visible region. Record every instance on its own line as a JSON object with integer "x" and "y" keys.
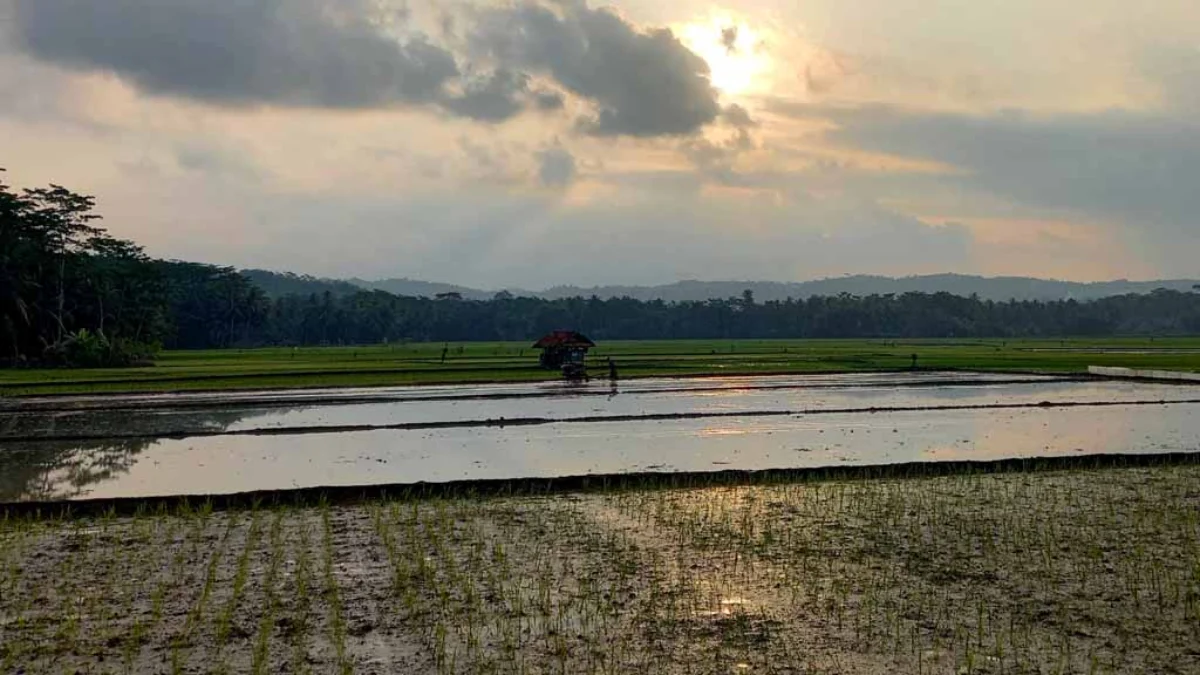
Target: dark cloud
{"x": 729, "y": 36}
{"x": 493, "y": 98}
{"x": 1114, "y": 163}
{"x": 1132, "y": 171}
{"x": 548, "y": 100}
{"x": 738, "y": 117}
{"x": 501, "y": 95}
{"x": 556, "y": 167}
{"x": 643, "y": 83}
{"x": 289, "y": 52}
{"x": 338, "y": 54}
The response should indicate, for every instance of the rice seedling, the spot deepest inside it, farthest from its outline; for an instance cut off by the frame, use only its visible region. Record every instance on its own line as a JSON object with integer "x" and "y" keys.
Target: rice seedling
{"x": 266, "y": 624}
{"x": 224, "y": 619}
{"x": 333, "y": 598}
{"x": 1073, "y": 572}
{"x": 196, "y": 615}
{"x": 299, "y": 618}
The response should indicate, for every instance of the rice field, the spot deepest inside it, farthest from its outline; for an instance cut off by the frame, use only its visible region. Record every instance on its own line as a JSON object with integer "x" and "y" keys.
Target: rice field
{"x": 1082, "y": 571}
{"x": 475, "y": 362}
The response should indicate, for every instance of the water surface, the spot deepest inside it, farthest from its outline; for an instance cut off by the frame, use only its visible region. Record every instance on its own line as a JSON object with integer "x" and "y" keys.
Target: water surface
{"x": 853, "y": 435}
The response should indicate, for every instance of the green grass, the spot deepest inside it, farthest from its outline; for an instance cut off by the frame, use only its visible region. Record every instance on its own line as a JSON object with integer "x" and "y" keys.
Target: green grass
{"x": 503, "y": 362}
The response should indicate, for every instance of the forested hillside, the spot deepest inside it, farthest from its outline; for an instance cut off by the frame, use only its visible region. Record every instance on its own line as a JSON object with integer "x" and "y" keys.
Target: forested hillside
{"x": 70, "y": 294}
{"x": 279, "y": 284}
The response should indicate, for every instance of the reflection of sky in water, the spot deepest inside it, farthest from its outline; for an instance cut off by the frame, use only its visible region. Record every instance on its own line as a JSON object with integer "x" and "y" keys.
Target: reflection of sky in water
{"x": 642, "y": 399}
{"x": 233, "y": 464}
{"x": 556, "y": 388}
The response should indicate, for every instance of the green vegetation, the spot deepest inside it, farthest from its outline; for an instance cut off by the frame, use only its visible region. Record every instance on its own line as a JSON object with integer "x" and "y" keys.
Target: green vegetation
{"x": 73, "y": 296}
{"x": 1082, "y": 571}
{"x": 498, "y": 362}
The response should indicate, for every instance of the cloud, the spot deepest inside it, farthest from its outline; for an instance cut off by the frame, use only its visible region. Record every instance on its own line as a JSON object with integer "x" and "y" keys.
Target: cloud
{"x": 729, "y": 38}
{"x": 236, "y": 52}
{"x": 214, "y": 161}
{"x": 738, "y": 117}
{"x": 715, "y": 159}
{"x": 824, "y": 71}
{"x": 548, "y": 100}
{"x": 1176, "y": 69}
{"x": 494, "y": 98}
{"x": 501, "y": 95}
{"x": 643, "y": 83}
{"x": 556, "y": 167}
{"x": 1115, "y": 163}
{"x": 340, "y": 54}
{"x": 1127, "y": 171}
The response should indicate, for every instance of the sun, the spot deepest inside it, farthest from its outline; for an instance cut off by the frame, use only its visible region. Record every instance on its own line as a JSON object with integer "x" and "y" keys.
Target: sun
{"x": 737, "y": 60}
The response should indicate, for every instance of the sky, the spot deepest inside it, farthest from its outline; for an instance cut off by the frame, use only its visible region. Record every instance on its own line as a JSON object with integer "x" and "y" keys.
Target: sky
{"x": 542, "y": 142}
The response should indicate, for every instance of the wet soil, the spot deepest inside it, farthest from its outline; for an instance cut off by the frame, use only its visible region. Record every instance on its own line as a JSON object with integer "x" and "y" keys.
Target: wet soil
{"x": 1085, "y": 572}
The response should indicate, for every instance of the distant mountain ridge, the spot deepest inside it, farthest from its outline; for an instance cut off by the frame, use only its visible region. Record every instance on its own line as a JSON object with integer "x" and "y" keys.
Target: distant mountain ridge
{"x": 276, "y": 284}
{"x": 428, "y": 289}
{"x": 987, "y": 288}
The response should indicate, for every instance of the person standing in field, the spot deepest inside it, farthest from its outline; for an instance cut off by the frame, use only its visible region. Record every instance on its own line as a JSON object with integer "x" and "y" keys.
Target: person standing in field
{"x": 612, "y": 370}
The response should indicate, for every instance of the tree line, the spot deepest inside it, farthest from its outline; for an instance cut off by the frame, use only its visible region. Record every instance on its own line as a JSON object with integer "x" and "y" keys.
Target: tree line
{"x": 369, "y": 317}
{"x": 71, "y": 294}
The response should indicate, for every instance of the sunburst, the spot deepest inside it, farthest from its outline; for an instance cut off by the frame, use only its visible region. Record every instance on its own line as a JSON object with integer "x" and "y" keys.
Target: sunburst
{"x": 737, "y": 59}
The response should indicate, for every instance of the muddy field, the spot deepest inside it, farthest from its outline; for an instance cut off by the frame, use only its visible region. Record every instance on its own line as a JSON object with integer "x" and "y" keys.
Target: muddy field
{"x": 1062, "y": 572}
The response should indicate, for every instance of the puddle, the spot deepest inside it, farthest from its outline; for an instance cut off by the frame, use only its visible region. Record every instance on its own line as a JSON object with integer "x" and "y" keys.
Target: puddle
{"x": 52, "y": 469}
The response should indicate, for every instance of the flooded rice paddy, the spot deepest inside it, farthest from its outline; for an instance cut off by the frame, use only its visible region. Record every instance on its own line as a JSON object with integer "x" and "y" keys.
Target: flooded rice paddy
{"x": 80, "y": 447}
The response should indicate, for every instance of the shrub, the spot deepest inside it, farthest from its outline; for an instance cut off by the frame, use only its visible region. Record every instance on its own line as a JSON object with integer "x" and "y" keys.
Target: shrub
{"x": 88, "y": 349}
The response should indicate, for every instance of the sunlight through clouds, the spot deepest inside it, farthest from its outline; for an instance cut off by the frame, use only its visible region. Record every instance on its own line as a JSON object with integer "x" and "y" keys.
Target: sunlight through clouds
{"x": 417, "y": 135}
{"x": 736, "y": 53}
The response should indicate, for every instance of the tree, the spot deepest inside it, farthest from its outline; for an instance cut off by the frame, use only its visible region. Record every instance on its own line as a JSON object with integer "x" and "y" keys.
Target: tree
{"x": 61, "y": 278}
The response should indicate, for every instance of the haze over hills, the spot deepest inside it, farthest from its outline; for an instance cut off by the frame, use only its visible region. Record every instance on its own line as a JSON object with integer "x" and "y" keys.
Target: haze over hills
{"x": 987, "y": 288}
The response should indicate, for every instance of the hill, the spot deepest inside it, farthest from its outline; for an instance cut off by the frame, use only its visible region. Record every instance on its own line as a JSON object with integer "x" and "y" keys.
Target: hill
{"x": 987, "y": 288}
{"x": 426, "y": 289}
{"x": 277, "y": 284}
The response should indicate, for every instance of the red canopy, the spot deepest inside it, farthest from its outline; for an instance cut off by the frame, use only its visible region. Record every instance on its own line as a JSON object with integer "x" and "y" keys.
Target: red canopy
{"x": 564, "y": 338}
